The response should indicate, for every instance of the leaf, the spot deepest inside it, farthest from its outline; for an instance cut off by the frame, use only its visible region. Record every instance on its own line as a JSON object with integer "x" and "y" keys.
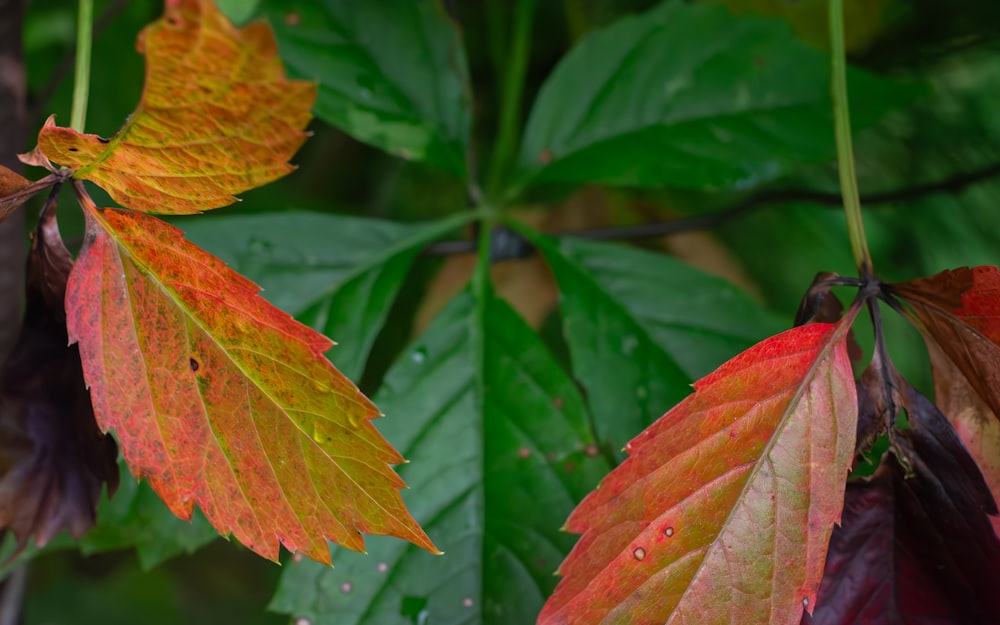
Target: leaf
{"x": 505, "y": 453}
{"x": 960, "y": 314}
{"x": 632, "y": 349}
{"x": 689, "y": 95}
{"x": 54, "y": 462}
{"x": 724, "y": 509}
{"x": 938, "y": 305}
{"x": 902, "y": 556}
{"x": 216, "y": 117}
{"x": 15, "y": 190}
{"x": 410, "y": 98}
{"x": 915, "y": 545}
{"x": 974, "y": 422}
{"x": 11, "y": 181}
{"x": 221, "y": 400}
{"x": 337, "y": 273}
{"x": 136, "y": 517}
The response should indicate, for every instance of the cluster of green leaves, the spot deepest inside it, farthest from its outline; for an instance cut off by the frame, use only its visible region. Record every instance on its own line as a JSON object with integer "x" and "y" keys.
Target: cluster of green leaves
{"x": 508, "y": 426}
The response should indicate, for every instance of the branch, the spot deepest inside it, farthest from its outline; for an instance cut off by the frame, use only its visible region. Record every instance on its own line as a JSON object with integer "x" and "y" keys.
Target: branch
{"x": 696, "y": 223}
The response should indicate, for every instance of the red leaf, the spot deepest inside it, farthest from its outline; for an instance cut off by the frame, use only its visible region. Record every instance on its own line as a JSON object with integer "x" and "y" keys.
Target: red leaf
{"x": 221, "y": 400}
{"x": 912, "y": 549}
{"x": 217, "y": 117}
{"x": 723, "y": 512}
{"x": 54, "y": 459}
{"x": 901, "y": 557}
{"x": 959, "y": 311}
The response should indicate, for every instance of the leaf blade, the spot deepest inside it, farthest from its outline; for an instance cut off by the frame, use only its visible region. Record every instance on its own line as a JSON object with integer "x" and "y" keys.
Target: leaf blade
{"x": 959, "y": 318}
{"x": 690, "y": 106}
{"x": 656, "y": 547}
{"x": 410, "y": 99}
{"x": 216, "y": 117}
{"x": 518, "y": 461}
{"x": 336, "y": 273}
{"x": 633, "y": 350}
{"x": 222, "y": 400}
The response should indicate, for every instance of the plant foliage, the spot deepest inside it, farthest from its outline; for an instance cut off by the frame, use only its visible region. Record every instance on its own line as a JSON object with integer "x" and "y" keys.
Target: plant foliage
{"x": 836, "y": 472}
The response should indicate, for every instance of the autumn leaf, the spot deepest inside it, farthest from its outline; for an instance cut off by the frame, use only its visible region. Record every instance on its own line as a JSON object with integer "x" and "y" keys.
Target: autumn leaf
{"x": 221, "y": 400}
{"x": 54, "y": 461}
{"x": 958, "y": 311}
{"x": 723, "y": 511}
{"x": 217, "y": 116}
{"x": 15, "y": 189}
{"x": 915, "y": 542}
{"x": 902, "y": 556}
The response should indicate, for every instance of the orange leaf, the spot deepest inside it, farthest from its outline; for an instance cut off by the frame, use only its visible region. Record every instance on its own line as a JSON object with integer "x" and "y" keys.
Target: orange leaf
{"x": 724, "y": 510}
{"x": 217, "y": 116}
{"x": 221, "y": 400}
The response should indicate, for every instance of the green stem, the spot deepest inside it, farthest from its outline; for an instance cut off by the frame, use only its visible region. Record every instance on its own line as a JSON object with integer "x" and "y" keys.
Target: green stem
{"x": 516, "y": 64}
{"x": 845, "y": 153}
{"x": 81, "y": 78}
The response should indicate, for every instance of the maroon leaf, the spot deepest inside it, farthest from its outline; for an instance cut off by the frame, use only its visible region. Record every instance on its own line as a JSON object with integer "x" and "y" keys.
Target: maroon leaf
{"x": 53, "y": 459}
{"x": 915, "y": 544}
{"x": 902, "y": 556}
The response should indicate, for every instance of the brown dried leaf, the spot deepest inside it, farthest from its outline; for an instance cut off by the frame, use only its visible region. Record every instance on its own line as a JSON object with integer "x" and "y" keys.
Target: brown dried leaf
{"x": 53, "y": 459}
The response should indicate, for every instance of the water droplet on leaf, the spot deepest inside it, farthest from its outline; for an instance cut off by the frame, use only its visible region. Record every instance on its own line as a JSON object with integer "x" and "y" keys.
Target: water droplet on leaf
{"x": 419, "y": 355}
{"x": 319, "y": 435}
{"x": 346, "y": 587}
{"x": 639, "y": 553}
{"x": 467, "y": 602}
{"x": 382, "y": 567}
{"x": 668, "y": 532}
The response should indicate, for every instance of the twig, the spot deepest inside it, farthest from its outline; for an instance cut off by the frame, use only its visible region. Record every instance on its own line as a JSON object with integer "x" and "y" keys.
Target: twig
{"x": 696, "y": 223}
{"x": 12, "y": 595}
{"x": 41, "y": 101}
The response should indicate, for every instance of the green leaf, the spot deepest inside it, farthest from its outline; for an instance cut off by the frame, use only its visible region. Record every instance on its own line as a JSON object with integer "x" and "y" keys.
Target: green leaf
{"x": 136, "y": 517}
{"x": 238, "y": 11}
{"x": 338, "y": 274}
{"x": 391, "y": 73}
{"x": 501, "y": 451}
{"x": 641, "y": 326}
{"x": 689, "y": 95}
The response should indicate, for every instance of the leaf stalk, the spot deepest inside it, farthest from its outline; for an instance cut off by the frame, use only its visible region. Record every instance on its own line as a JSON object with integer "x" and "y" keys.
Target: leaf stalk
{"x": 81, "y": 76}
{"x": 512, "y": 91}
{"x": 845, "y": 152}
